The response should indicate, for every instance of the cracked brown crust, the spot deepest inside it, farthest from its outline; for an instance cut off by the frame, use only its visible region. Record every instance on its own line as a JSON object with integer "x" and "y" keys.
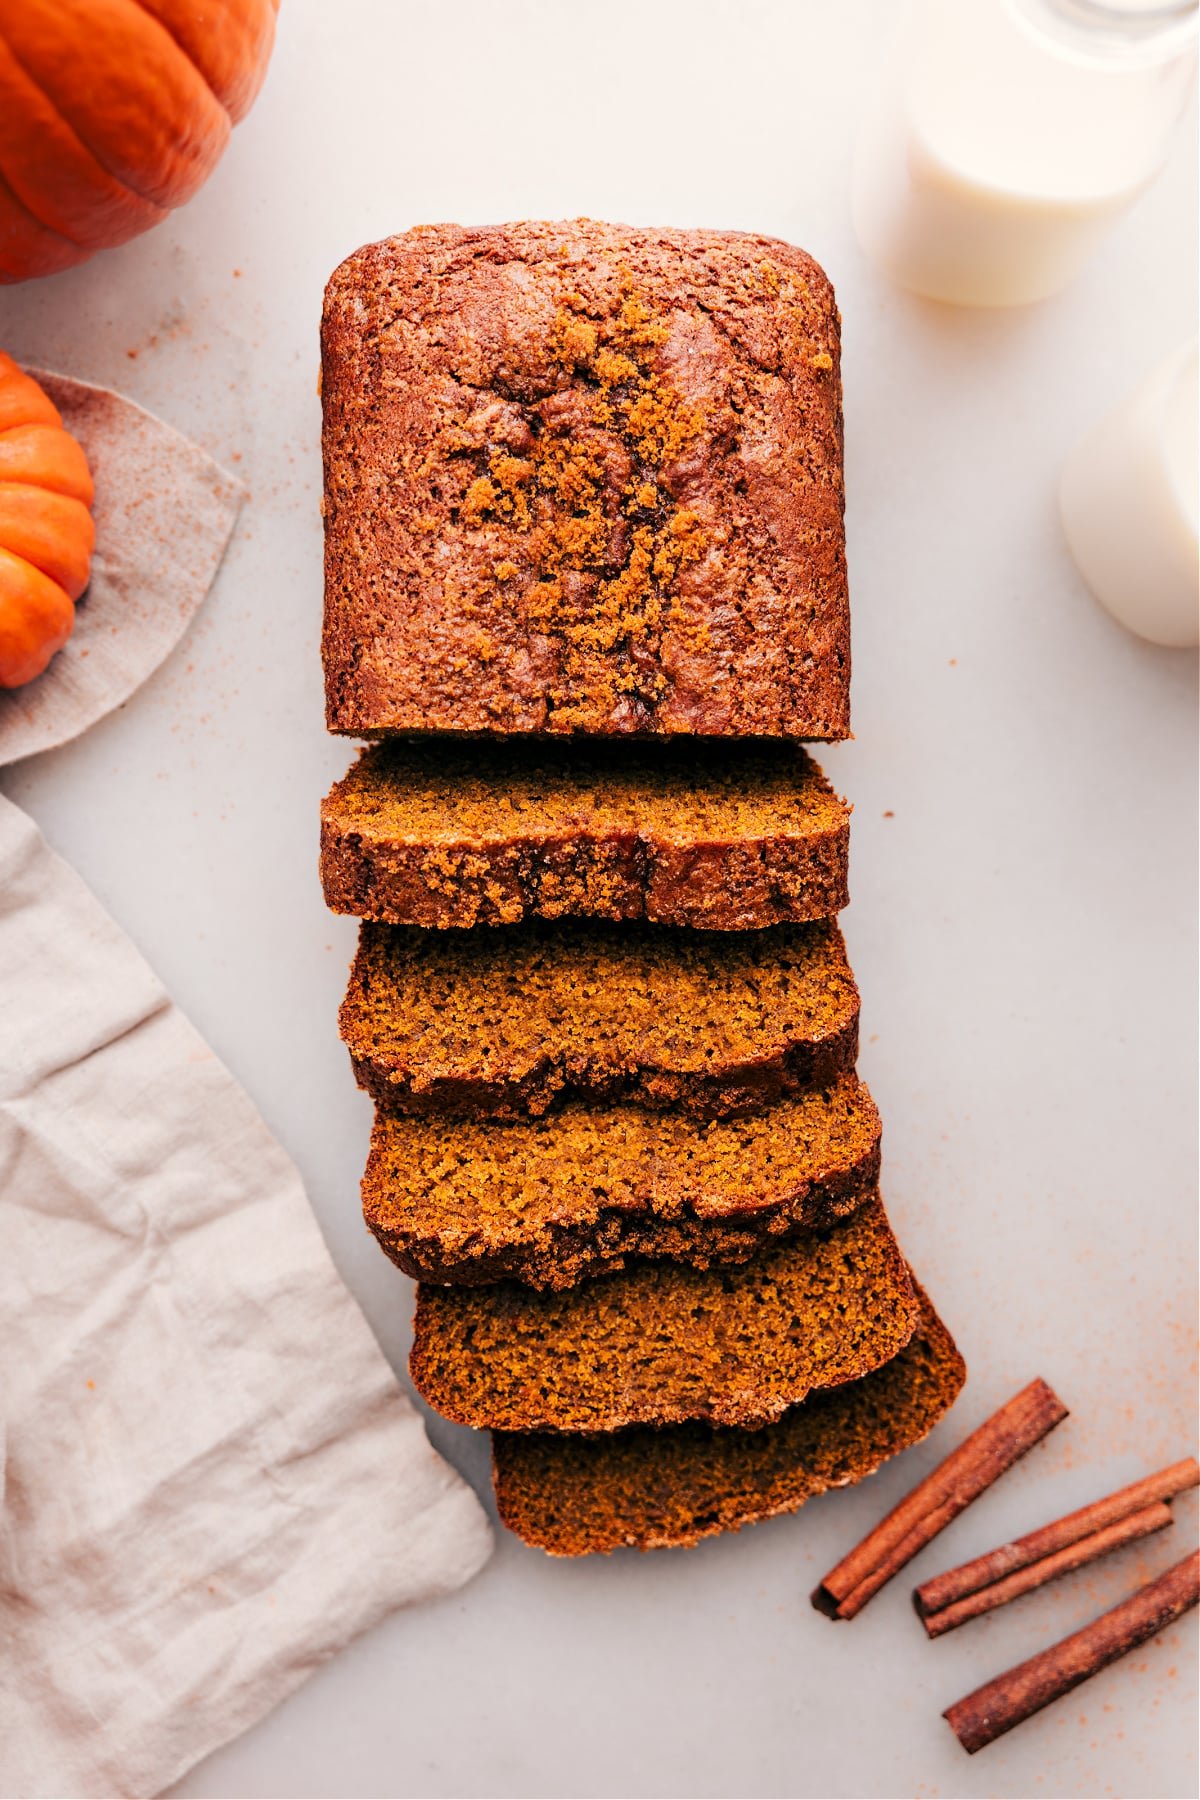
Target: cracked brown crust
{"x": 719, "y": 837}
{"x": 503, "y": 1024}
{"x": 650, "y": 1488}
{"x": 661, "y": 1342}
{"x": 551, "y": 1201}
{"x": 586, "y": 478}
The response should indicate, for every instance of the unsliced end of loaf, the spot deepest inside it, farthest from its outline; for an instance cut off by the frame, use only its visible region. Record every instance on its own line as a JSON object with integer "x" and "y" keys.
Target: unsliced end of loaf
{"x": 583, "y": 478}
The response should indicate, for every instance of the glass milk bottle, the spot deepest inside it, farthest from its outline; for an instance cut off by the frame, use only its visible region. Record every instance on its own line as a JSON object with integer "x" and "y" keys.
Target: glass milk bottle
{"x": 1011, "y": 134}
{"x": 1129, "y": 501}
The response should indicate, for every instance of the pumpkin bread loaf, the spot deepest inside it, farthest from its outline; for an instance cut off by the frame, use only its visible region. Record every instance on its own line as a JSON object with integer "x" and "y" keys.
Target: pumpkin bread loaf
{"x": 506, "y": 1023}
{"x": 650, "y": 1488}
{"x": 722, "y": 837}
{"x": 660, "y": 1342}
{"x": 583, "y": 478}
{"x": 575, "y": 1193}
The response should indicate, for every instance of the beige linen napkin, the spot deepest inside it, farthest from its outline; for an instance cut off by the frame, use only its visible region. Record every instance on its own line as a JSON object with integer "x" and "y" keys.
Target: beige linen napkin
{"x": 211, "y": 1479}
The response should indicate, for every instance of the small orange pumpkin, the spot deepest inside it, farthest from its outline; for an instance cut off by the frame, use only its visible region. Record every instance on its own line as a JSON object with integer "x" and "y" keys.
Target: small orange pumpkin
{"x": 112, "y": 112}
{"x": 46, "y": 529}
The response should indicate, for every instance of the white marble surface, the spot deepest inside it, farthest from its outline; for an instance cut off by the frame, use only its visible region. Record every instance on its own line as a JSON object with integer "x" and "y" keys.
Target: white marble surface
{"x": 1022, "y": 922}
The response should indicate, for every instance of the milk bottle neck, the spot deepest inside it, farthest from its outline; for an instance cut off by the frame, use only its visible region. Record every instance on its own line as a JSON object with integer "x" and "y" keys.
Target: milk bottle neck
{"x": 1132, "y": 33}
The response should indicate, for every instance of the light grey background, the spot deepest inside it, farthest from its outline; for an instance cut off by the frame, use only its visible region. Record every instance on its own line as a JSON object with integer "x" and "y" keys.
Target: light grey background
{"x": 1021, "y": 927}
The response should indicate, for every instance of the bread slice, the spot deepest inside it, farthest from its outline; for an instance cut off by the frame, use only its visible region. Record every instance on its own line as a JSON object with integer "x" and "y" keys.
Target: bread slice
{"x": 578, "y": 1191}
{"x": 661, "y": 1342}
{"x": 722, "y": 837}
{"x": 652, "y": 1488}
{"x": 505, "y": 1023}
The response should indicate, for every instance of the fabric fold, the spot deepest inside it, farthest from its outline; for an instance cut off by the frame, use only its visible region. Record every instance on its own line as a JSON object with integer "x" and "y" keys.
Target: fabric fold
{"x": 213, "y": 1480}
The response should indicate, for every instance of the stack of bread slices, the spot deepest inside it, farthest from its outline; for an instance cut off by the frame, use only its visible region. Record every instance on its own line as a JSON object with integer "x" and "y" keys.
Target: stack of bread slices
{"x": 585, "y": 590}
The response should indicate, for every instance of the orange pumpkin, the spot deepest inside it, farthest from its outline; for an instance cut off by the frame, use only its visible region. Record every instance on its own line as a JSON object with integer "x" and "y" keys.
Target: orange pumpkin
{"x": 112, "y": 112}
{"x": 46, "y": 530}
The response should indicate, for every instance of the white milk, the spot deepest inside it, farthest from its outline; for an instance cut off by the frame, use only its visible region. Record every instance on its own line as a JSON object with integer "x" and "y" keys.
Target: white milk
{"x": 1130, "y": 497}
{"x": 1010, "y": 136}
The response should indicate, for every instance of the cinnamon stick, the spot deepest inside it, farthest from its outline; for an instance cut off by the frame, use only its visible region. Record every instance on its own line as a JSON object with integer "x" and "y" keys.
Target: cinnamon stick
{"x": 999, "y": 1705}
{"x": 961, "y": 1478}
{"x": 944, "y": 1590}
{"x": 1048, "y": 1568}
